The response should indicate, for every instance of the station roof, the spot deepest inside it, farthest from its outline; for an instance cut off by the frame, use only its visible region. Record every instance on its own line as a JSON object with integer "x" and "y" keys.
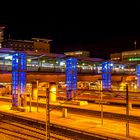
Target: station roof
{"x": 49, "y": 55}
{"x": 40, "y": 39}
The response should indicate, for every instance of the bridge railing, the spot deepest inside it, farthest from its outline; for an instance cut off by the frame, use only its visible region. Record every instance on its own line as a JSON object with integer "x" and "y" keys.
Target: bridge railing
{"x": 123, "y": 72}
{"x": 62, "y": 70}
{"x": 5, "y": 68}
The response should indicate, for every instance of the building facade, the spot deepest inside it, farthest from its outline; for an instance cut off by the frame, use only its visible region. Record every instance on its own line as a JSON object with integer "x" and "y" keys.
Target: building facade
{"x": 116, "y": 57}
{"x": 41, "y": 45}
{"x": 78, "y": 53}
{"x": 18, "y": 45}
{"x": 127, "y": 56}
{"x": 1, "y": 35}
{"x": 131, "y": 56}
{"x": 36, "y": 44}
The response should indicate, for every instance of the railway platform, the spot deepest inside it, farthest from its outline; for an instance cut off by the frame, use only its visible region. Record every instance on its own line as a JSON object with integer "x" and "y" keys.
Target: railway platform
{"x": 112, "y": 129}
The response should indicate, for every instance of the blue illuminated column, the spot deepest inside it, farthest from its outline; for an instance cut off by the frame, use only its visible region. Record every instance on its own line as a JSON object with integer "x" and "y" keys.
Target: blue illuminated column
{"x": 106, "y": 75}
{"x": 18, "y": 78}
{"x": 138, "y": 75}
{"x": 71, "y": 77}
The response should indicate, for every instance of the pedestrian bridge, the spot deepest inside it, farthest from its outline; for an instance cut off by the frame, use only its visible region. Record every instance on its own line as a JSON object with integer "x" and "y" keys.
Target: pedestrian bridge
{"x": 56, "y": 63}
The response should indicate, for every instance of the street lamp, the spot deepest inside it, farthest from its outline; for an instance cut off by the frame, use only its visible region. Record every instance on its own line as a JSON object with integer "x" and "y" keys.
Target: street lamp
{"x": 49, "y": 96}
{"x": 101, "y": 89}
{"x": 30, "y": 102}
{"x": 101, "y": 100}
{"x": 127, "y": 111}
{"x": 47, "y": 114}
{"x": 37, "y": 92}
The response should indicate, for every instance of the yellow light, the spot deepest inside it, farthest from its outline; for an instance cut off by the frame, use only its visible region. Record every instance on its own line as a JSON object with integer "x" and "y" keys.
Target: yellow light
{"x": 53, "y": 88}
{"x": 35, "y": 94}
{"x": 123, "y": 84}
{"x": 135, "y": 86}
{"x": 29, "y": 60}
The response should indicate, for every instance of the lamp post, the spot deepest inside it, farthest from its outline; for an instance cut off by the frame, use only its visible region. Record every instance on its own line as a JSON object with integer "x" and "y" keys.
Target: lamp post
{"x": 50, "y": 92}
{"x": 47, "y": 114}
{"x": 37, "y": 93}
{"x": 101, "y": 100}
{"x": 30, "y": 102}
{"x": 127, "y": 111}
{"x": 30, "y": 98}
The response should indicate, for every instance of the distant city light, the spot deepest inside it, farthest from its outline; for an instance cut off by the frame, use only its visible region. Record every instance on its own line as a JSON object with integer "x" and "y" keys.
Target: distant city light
{"x": 134, "y": 59}
{"x": 29, "y": 60}
{"x": 62, "y": 63}
{"x": 43, "y": 61}
{"x": 8, "y": 57}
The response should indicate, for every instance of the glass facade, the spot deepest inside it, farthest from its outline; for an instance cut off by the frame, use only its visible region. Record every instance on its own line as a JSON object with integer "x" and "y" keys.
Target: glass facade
{"x": 18, "y": 77}
{"x": 138, "y": 75}
{"x": 106, "y": 75}
{"x": 71, "y": 77}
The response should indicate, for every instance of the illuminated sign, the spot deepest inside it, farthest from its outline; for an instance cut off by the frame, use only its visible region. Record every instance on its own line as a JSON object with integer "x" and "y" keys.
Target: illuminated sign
{"x": 134, "y": 59}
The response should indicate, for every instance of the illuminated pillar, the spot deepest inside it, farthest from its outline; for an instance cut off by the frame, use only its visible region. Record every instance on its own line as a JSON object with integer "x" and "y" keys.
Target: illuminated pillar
{"x": 18, "y": 78}
{"x": 106, "y": 75}
{"x": 52, "y": 91}
{"x": 138, "y": 75}
{"x": 71, "y": 77}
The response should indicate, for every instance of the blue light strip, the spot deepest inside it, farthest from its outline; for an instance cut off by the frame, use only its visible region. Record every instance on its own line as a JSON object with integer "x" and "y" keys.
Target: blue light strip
{"x": 138, "y": 75}
{"x": 106, "y": 75}
{"x": 18, "y": 76}
{"x": 71, "y": 77}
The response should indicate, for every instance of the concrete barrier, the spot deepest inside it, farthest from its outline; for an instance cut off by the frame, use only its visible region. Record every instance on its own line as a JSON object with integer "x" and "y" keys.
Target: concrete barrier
{"x": 75, "y": 102}
{"x": 21, "y": 109}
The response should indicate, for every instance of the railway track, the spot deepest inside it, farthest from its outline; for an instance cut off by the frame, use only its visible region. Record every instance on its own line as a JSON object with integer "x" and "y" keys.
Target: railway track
{"x": 23, "y": 128}
{"x": 17, "y": 131}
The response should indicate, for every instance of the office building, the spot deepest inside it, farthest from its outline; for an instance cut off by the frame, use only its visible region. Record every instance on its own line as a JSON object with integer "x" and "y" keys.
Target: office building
{"x": 36, "y": 44}
{"x": 1, "y": 35}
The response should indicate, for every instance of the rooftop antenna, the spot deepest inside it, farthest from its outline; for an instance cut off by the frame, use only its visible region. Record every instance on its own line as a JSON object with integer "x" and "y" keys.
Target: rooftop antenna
{"x": 135, "y": 43}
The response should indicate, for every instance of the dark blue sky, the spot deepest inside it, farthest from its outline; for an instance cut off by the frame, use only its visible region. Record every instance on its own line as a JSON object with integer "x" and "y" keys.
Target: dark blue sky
{"x": 101, "y": 28}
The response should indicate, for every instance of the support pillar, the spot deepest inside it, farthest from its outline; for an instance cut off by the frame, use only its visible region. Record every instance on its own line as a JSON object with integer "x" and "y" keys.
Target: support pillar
{"x": 138, "y": 75}
{"x": 106, "y": 75}
{"x": 53, "y": 91}
{"x": 18, "y": 79}
{"x": 71, "y": 77}
{"x": 34, "y": 91}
